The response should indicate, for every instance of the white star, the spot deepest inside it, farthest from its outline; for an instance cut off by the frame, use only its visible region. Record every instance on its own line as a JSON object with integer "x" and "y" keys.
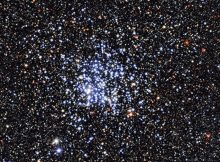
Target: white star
{"x": 59, "y": 150}
{"x": 56, "y": 141}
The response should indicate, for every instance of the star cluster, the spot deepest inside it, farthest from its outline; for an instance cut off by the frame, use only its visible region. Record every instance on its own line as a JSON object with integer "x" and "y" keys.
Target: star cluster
{"x": 114, "y": 80}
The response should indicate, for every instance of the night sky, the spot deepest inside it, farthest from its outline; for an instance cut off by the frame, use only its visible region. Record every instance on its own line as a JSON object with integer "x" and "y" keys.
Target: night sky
{"x": 109, "y": 80}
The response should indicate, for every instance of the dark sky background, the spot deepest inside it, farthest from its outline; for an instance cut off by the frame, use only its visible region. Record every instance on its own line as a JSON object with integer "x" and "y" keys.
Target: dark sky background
{"x": 113, "y": 80}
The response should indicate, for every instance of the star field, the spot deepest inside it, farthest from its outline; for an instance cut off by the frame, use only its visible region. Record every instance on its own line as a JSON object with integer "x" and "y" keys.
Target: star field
{"x": 114, "y": 80}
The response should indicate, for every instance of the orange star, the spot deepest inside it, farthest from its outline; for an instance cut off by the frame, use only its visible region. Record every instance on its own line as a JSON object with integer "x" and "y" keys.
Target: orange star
{"x": 136, "y": 37}
{"x": 208, "y": 135}
{"x": 203, "y": 50}
{"x": 186, "y": 42}
{"x": 130, "y": 113}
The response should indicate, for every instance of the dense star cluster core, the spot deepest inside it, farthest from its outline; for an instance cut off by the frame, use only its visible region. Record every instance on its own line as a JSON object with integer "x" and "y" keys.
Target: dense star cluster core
{"x": 109, "y": 80}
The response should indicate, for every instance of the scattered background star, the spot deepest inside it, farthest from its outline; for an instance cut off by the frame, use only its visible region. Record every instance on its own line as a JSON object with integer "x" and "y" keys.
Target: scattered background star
{"x": 114, "y": 80}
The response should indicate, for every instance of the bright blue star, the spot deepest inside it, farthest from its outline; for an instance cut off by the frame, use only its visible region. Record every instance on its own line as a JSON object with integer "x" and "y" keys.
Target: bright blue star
{"x": 59, "y": 150}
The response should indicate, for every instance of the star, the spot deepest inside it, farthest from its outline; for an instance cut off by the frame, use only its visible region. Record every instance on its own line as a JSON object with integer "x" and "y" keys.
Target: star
{"x": 59, "y": 150}
{"x": 56, "y": 141}
{"x": 186, "y": 42}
